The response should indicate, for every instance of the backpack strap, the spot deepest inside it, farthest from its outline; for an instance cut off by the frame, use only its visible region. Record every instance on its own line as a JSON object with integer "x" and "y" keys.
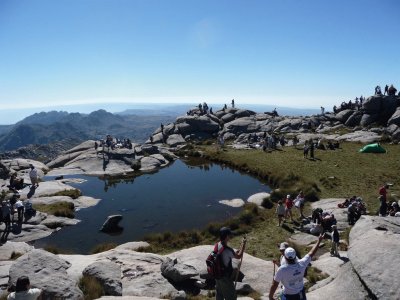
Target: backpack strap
{"x": 219, "y": 248}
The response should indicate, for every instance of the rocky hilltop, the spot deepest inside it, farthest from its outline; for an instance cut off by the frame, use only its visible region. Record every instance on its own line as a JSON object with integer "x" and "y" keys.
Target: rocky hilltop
{"x": 378, "y": 117}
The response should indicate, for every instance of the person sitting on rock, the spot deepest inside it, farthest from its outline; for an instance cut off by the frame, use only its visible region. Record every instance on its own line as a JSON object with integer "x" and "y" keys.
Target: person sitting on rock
{"x": 378, "y": 90}
{"x": 24, "y": 291}
{"x": 393, "y": 209}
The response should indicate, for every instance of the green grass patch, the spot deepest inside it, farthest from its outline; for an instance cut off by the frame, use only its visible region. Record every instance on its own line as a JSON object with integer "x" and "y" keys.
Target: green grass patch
{"x": 59, "y": 209}
{"x": 103, "y": 247}
{"x": 56, "y": 250}
{"x": 73, "y": 193}
{"x": 91, "y": 287}
{"x": 313, "y": 276}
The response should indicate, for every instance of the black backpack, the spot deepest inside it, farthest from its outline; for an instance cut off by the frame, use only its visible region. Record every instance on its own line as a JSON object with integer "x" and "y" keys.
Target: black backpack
{"x": 215, "y": 266}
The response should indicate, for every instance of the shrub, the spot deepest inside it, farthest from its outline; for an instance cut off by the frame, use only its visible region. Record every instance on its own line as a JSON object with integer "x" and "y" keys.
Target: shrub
{"x": 74, "y": 193}
{"x": 56, "y": 250}
{"x": 91, "y": 287}
{"x": 59, "y": 209}
{"x": 246, "y": 217}
{"x": 267, "y": 203}
{"x": 103, "y": 247}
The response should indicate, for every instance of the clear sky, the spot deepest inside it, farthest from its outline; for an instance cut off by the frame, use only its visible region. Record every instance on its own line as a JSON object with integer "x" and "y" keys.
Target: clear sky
{"x": 298, "y": 53}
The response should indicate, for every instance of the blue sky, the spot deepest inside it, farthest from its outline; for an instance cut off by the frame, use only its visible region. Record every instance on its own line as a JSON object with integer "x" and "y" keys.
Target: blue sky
{"x": 298, "y": 53}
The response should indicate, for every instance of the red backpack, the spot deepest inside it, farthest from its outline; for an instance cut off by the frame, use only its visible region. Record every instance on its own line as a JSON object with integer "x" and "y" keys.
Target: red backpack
{"x": 215, "y": 266}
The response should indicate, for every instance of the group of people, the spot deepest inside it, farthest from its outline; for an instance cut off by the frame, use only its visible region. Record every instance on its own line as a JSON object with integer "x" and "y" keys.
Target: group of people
{"x": 385, "y": 209}
{"x": 285, "y": 206}
{"x": 389, "y": 90}
{"x": 9, "y": 207}
{"x": 290, "y": 273}
{"x": 356, "y": 104}
{"x": 113, "y": 143}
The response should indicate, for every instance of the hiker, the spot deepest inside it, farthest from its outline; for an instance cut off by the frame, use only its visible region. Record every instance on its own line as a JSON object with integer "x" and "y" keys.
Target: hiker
{"x": 312, "y": 149}
{"x": 19, "y": 205}
{"x": 33, "y": 175}
{"x": 392, "y": 90}
{"x": 280, "y": 212}
{"x": 386, "y": 90}
{"x": 282, "y": 247}
{"x": 352, "y": 214}
{"x": 383, "y": 207}
{"x": 335, "y": 241}
{"x": 322, "y": 110}
{"x": 24, "y": 291}
{"x": 96, "y": 145}
{"x": 295, "y": 141}
{"x": 162, "y": 128}
{"x": 393, "y": 209}
{"x": 6, "y": 212}
{"x": 225, "y": 288}
{"x": 383, "y": 190}
{"x": 225, "y": 107}
{"x": 16, "y": 183}
{"x": 305, "y": 149}
{"x": 378, "y": 90}
{"x": 288, "y": 207}
{"x": 291, "y": 275}
{"x": 233, "y": 103}
{"x": 299, "y": 203}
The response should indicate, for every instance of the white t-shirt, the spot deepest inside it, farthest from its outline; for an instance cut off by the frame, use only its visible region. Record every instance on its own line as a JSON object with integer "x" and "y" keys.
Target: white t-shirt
{"x": 291, "y": 276}
{"x": 31, "y": 294}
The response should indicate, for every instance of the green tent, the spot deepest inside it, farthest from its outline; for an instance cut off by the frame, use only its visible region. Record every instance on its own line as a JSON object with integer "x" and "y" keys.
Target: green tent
{"x": 372, "y": 148}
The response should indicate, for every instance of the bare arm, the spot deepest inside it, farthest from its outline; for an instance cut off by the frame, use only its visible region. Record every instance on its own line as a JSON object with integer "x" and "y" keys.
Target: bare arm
{"x": 316, "y": 246}
{"x": 273, "y": 289}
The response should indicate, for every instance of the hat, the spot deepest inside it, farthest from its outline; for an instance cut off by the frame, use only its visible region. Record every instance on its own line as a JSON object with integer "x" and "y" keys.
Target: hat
{"x": 394, "y": 204}
{"x": 224, "y": 232}
{"x": 283, "y": 246}
{"x": 288, "y": 196}
{"x": 290, "y": 253}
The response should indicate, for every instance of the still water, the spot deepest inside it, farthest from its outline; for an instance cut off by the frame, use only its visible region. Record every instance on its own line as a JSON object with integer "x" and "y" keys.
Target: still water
{"x": 179, "y": 197}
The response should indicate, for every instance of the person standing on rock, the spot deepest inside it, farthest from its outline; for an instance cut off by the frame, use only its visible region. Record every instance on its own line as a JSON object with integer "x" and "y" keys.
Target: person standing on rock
{"x": 288, "y": 207}
{"x": 383, "y": 207}
{"x": 23, "y": 290}
{"x": 33, "y": 175}
{"x": 335, "y": 241}
{"x": 291, "y": 275}
{"x": 383, "y": 191}
{"x": 386, "y": 90}
{"x": 280, "y": 212}
{"x": 225, "y": 287}
{"x": 233, "y": 103}
{"x": 322, "y": 110}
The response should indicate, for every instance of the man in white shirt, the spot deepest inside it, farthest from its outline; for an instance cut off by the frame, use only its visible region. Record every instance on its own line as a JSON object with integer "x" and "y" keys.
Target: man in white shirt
{"x": 291, "y": 274}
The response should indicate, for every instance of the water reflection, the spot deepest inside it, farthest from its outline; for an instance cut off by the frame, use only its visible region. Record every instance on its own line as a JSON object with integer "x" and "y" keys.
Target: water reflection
{"x": 183, "y": 196}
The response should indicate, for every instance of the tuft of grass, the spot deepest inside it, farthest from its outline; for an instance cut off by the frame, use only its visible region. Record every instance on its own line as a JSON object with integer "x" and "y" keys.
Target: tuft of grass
{"x": 91, "y": 287}
{"x": 73, "y": 193}
{"x": 59, "y": 209}
{"x": 103, "y": 247}
{"x": 15, "y": 255}
{"x": 56, "y": 250}
{"x": 313, "y": 276}
{"x": 267, "y": 203}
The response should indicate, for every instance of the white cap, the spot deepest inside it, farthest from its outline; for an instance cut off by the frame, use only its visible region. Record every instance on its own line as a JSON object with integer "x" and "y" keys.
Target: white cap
{"x": 290, "y": 253}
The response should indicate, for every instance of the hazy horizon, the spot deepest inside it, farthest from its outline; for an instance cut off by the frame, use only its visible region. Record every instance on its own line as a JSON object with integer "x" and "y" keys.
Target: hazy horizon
{"x": 12, "y": 116}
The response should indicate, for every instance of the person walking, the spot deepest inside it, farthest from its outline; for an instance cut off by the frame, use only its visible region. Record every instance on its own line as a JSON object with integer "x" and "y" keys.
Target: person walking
{"x": 33, "y": 175}
{"x": 225, "y": 286}
{"x": 288, "y": 207}
{"x": 291, "y": 274}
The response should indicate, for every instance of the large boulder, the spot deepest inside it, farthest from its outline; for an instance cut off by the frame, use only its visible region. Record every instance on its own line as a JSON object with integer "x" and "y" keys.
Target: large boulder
{"x": 175, "y": 139}
{"x": 344, "y": 115}
{"x": 149, "y": 163}
{"x": 241, "y": 125}
{"x": 202, "y": 123}
{"x": 368, "y": 119}
{"x": 82, "y": 147}
{"x": 47, "y": 272}
{"x": 177, "y": 272}
{"x": 111, "y": 224}
{"x": 228, "y": 117}
{"x": 373, "y": 104}
{"x": 244, "y": 113}
{"x": 108, "y": 274}
{"x": 354, "y": 119}
{"x": 373, "y": 252}
{"x": 395, "y": 118}
{"x": 361, "y": 136}
{"x": 346, "y": 285}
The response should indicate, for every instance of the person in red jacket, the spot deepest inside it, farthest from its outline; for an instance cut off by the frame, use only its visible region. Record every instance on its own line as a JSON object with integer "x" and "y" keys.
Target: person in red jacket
{"x": 288, "y": 207}
{"x": 383, "y": 191}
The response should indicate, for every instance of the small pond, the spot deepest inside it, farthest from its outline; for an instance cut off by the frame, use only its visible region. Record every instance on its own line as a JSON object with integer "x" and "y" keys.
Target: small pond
{"x": 179, "y": 197}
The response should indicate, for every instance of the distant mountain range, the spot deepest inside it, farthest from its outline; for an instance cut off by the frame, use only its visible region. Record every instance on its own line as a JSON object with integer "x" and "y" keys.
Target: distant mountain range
{"x": 55, "y": 126}
{"x": 136, "y": 123}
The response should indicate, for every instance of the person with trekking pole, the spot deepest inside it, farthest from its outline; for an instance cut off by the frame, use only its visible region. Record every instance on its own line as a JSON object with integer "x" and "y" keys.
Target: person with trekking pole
{"x": 291, "y": 275}
{"x": 225, "y": 286}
